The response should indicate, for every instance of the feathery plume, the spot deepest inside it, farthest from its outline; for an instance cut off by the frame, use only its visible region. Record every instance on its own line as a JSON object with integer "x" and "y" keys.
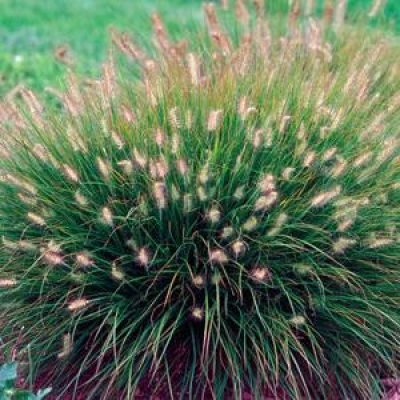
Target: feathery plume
{"x": 139, "y": 159}
{"x": 70, "y": 173}
{"x": 174, "y": 118}
{"x": 198, "y": 281}
{"x": 287, "y": 173}
{"x": 107, "y": 216}
{"x": 104, "y": 168}
{"x": 159, "y": 192}
{"x": 78, "y": 304}
{"x": 279, "y": 222}
{"x": 6, "y": 283}
{"x": 214, "y": 120}
{"x": 83, "y": 260}
{"x": 265, "y": 202}
{"x": 116, "y": 272}
{"x": 227, "y": 232}
{"x": 187, "y": 203}
{"x": 298, "y": 320}
{"x": 127, "y": 166}
{"x": 144, "y": 257}
{"x": 213, "y": 215}
{"x": 250, "y": 224}
{"x": 80, "y": 199}
{"x": 324, "y": 198}
{"x": 159, "y": 137}
{"x": 36, "y": 219}
{"x": 239, "y": 192}
{"x": 53, "y": 258}
{"x": 197, "y": 313}
{"x": 68, "y": 346}
{"x": 376, "y": 7}
{"x": 182, "y": 166}
{"x": 238, "y": 247}
{"x": 117, "y": 139}
{"x": 218, "y": 256}
{"x": 260, "y": 274}
{"x": 194, "y": 69}
{"x": 340, "y": 245}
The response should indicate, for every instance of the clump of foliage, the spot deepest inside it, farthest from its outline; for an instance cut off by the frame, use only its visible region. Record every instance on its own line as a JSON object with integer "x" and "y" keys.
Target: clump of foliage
{"x": 229, "y": 222}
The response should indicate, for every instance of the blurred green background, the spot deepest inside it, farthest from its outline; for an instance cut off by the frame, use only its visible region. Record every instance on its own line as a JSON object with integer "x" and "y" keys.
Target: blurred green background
{"x": 30, "y": 30}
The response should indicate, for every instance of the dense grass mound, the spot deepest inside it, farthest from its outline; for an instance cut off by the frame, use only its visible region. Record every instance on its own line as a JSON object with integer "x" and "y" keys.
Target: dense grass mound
{"x": 230, "y": 222}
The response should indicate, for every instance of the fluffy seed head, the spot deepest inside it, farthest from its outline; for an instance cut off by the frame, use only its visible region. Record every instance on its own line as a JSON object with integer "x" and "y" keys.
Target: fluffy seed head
{"x": 83, "y": 260}
{"x": 197, "y": 313}
{"x": 264, "y": 203}
{"x": 325, "y": 197}
{"x": 218, "y": 256}
{"x": 78, "y": 304}
{"x": 36, "y": 219}
{"x": 298, "y": 320}
{"x": 342, "y": 244}
{"x": 260, "y": 274}
{"x": 238, "y": 248}
{"x": 144, "y": 257}
{"x": 104, "y": 168}
{"x": 250, "y": 224}
{"x": 198, "y": 281}
{"x": 159, "y": 192}
{"x": 70, "y": 173}
{"x": 213, "y": 215}
{"x": 7, "y": 283}
{"x": 107, "y": 216}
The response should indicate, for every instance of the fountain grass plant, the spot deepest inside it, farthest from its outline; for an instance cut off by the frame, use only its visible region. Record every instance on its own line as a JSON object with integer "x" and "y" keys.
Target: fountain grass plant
{"x": 227, "y": 223}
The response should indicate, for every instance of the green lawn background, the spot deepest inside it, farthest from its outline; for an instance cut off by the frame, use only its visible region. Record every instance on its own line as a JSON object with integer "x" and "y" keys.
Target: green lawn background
{"x": 31, "y": 29}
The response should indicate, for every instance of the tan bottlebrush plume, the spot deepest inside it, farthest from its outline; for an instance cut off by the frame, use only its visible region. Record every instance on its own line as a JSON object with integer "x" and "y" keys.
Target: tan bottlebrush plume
{"x": 242, "y": 13}
{"x": 68, "y": 346}
{"x": 117, "y": 272}
{"x": 238, "y": 248}
{"x": 213, "y": 215}
{"x": 260, "y": 274}
{"x": 218, "y": 256}
{"x": 198, "y": 281}
{"x": 117, "y": 139}
{"x": 78, "y": 304}
{"x": 376, "y": 7}
{"x": 160, "y": 34}
{"x": 328, "y": 12}
{"x": 197, "y": 313}
{"x": 310, "y": 8}
{"x": 80, "y": 199}
{"x": 159, "y": 192}
{"x": 227, "y": 232}
{"x": 127, "y": 46}
{"x": 250, "y": 224}
{"x": 84, "y": 260}
{"x": 293, "y": 17}
{"x": 144, "y": 257}
{"x": 53, "y": 258}
{"x": 324, "y": 198}
{"x": 265, "y": 202}
{"x": 194, "y": 69}
{"x": 33, "y": 103}
{"x": 106, "y": 216}
{"x": 340, "y": 14}
{"x": 36, "y": 219}
{"x": 7, "y": 283}
{"x": 298, "y": 320}
{"x": 175, "y": 118}
{"x": 220, "y": 39}
{"x": 70, "y": 173}
{"x": 342, "y": 244}
{"x": 104, "y": 168}
{"x": 214, "y": 120}
{"x": 109, "y": 81}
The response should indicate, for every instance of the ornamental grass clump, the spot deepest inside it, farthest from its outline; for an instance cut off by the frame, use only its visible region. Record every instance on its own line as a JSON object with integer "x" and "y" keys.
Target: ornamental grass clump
{"x": 227, "y": 223}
